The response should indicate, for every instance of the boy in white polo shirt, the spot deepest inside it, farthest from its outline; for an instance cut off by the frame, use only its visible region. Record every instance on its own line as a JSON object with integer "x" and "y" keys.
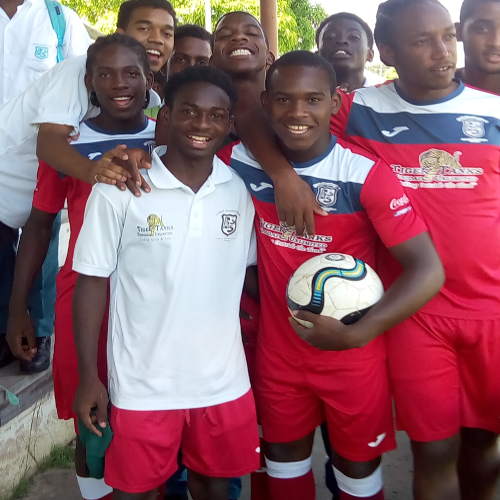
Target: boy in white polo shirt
{"x": 177, "y": 259}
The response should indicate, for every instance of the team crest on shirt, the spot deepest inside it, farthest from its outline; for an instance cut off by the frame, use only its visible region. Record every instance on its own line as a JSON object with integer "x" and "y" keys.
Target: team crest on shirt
{"x": 326, "y": 193}
{"x": 473, "y": 128}
{"x": 229, "y": 223}
{"x": 41, "y": 52}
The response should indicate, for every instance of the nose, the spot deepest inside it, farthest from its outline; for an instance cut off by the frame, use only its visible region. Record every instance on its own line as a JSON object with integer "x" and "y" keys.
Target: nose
{"x": 238, "y": 36}
{"x": 119, "y": 81}
{"x": 298, "y": 109}
{"x": 440, "y": 48}
{"x": 494, "y": 40}
{"x": 155, "y": 36}
{"x": 202, "y": 122}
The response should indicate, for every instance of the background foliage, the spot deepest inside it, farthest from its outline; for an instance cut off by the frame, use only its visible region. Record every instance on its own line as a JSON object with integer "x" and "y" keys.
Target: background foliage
{"x": 298, "y": 19}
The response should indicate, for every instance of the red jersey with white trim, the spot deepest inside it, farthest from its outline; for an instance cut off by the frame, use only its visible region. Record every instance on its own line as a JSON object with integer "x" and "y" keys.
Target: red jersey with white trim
{"x": 364, "y": 201}
{"x": 53, "y": 188}
{"x": 446, "y": 154}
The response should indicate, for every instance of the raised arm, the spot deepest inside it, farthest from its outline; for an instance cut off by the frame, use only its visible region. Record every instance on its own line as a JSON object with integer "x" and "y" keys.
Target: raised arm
{"x": 295, "y": 201}
{"x": 33, "y": 247}
{"x": 116, "y": 167}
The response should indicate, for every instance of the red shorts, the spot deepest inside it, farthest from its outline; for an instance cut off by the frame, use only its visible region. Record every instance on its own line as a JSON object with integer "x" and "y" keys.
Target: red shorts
{"x": 64, "y": 366}
{"x": 351, "y": 393}
{"x": 217, "y": 441}
{"x": 445, "y": 375}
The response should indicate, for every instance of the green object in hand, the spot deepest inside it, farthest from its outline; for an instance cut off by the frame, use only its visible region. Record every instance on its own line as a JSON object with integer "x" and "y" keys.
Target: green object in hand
{"x": 95, "y": 448}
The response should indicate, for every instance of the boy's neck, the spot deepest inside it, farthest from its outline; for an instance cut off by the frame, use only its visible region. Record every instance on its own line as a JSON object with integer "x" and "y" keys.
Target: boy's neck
{"x": 249, "y": 89}
{"x": 192, "y": 172}
{"x": 490, "y": 83}
{"x": 425, "y": 95}
{"x": 350, "y": 80}
{"x": 111, "y": 124}
{"x": 10, "y": 6}
{"x": 316, "y": 151}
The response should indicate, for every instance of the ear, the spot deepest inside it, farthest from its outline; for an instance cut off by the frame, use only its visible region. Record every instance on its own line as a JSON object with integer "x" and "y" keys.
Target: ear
{"x": 369, "y": 55}
{"x": 387, "y": 55}
{"x": 161, "y": 128}
{"x": 270, "y": 58}
{"x": 264, "y": 99}
{"x": 149, "y": 80}
{"x": 336, "y": 103}
{"x": 88, "y": 82}
{"x": 458, "y": 27}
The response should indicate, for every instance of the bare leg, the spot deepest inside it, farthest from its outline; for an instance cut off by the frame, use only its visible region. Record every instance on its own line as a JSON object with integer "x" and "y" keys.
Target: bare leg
{"x": 479, "y": 464}
{"x": 435, "y": 476}
{"x": 207, "y": 488}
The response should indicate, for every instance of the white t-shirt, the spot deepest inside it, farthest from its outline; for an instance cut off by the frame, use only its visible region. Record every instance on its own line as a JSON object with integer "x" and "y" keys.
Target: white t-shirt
{"x": 59, "y": 96}
{"x": 177, "y": 262}
{"x": 28, "y": 45}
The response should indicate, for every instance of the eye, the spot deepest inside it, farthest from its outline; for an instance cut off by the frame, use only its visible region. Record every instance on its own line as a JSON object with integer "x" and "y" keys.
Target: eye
{"x": 450, "y": 36}
{"x": 203, "y": 62}
{"x": 103, "y": 74}
{"x": 133, "y": 74}
{"x": 421, "y": 42}
{"x": 354, "y": 38}
{"x": 314, "y": 100}
{"x": 168, "y": 34}
{"x": 216, "y": 116}
{"x": 178, "y": 59}
{"x": 190, "y": 113}
{"x": 282, "y": 100}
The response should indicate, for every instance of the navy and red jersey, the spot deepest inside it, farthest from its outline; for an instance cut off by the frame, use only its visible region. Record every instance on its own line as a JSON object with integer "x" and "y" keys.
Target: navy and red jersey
{"x": 53, "y": 189}
{"x": 364, "y": 201}
{"x": 446, "y": 154}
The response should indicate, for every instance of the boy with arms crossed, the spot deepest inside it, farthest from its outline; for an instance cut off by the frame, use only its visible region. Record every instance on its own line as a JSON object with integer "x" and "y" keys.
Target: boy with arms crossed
{"x": 177, "y": 372}
{"x": 299, "y": 386}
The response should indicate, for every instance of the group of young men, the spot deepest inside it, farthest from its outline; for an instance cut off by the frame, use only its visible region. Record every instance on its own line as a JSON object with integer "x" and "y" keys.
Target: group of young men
{"x": 403, "y": 175}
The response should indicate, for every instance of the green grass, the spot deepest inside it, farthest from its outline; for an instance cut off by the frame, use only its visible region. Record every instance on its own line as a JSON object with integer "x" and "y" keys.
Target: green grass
{"x": 61, "y": 457}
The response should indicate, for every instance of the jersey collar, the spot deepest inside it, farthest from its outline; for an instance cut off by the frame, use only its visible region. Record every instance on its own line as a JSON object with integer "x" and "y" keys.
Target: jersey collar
{"x": 162, "y": 178}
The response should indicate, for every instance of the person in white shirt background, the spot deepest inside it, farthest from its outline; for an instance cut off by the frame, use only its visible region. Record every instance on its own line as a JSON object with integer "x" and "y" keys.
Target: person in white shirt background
{"x": 34, "y": 36}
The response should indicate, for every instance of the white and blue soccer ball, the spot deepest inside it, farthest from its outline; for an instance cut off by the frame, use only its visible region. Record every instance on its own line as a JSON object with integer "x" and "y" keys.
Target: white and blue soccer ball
{"x": 336, "y": 285}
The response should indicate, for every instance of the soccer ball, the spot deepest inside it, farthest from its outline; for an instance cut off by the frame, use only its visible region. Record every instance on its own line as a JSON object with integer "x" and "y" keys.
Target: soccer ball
{"x": 335, "y": 285}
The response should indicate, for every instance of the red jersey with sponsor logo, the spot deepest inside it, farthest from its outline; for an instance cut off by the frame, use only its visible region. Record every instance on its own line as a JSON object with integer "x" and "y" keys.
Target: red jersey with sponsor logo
{"x": 364, "y": 201}
{"x": 446, "y": 154}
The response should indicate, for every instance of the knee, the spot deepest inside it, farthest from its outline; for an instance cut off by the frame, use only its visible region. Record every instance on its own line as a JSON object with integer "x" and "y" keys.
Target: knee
{"x": 288, "y": 470}
{"x": 436, "y": 455}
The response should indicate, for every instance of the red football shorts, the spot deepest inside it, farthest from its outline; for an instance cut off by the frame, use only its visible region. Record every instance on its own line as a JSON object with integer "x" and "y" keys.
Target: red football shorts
{"x": 350, "y": 392}
{"x": 216, "y": 441}
{"x": 445, "y": 374}
{"x": 64, "y": 364}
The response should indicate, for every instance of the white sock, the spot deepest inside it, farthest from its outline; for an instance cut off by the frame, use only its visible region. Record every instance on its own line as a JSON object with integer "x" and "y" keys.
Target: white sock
{"x": 93, "y": 489}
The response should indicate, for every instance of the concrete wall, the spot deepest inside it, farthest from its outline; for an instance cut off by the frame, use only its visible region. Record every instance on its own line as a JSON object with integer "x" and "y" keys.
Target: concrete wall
{"x": 28, "y": 438}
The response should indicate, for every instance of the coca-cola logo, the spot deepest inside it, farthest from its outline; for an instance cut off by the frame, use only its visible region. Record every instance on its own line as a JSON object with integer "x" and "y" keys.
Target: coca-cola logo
{"x": 399, "y": 202}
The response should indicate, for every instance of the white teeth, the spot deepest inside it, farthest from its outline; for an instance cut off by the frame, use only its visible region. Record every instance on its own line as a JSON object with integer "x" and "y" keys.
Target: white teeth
{"x": 198, "y": 138}
{"x": 341, "y": 52}
{"x": 240, "y": 52}
{"x": 153, "y": 52}
{"x": 121, "y": 98}
{"x": 298, "y": 129}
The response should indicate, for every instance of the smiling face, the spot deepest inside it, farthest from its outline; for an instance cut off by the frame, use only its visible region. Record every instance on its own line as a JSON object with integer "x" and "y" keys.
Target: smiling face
{"x": 199, "y": 120}
{"x": 300, "y": 103}
{"x": 153, "y": 28}
{"x": 481, "y": 36}
{"x": 119, "y": 81}
{"x": 423, "y": 51}
{"x": 239, "y": 45}
{"x": 343, "y": 42}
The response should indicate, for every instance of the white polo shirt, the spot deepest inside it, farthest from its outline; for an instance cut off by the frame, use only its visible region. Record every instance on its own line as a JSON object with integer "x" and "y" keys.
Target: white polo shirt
{"x": 58, "y": 96}
{"x": 177, "y": 262}
{"x": 28, "y": 45}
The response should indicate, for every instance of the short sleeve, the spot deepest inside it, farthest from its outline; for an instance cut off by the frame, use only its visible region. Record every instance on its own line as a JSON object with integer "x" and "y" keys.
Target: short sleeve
{"x": 338, "y": 121}
{"x": 96, "y": 250}
{"x": 63, "y": 96}
{"x": 388, "y": 208}
{"x": 51, "y": 189}
{"x": 76, "y": 37}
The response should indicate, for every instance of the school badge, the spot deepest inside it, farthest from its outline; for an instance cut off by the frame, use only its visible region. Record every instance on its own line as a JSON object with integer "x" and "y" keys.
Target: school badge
{"x": 229, "y": 223}
{"x": 473, "y": 128}
{"x": 155, "y": 223}
{"x": 41, "y": 52}
{"x": 326, "y": 194}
